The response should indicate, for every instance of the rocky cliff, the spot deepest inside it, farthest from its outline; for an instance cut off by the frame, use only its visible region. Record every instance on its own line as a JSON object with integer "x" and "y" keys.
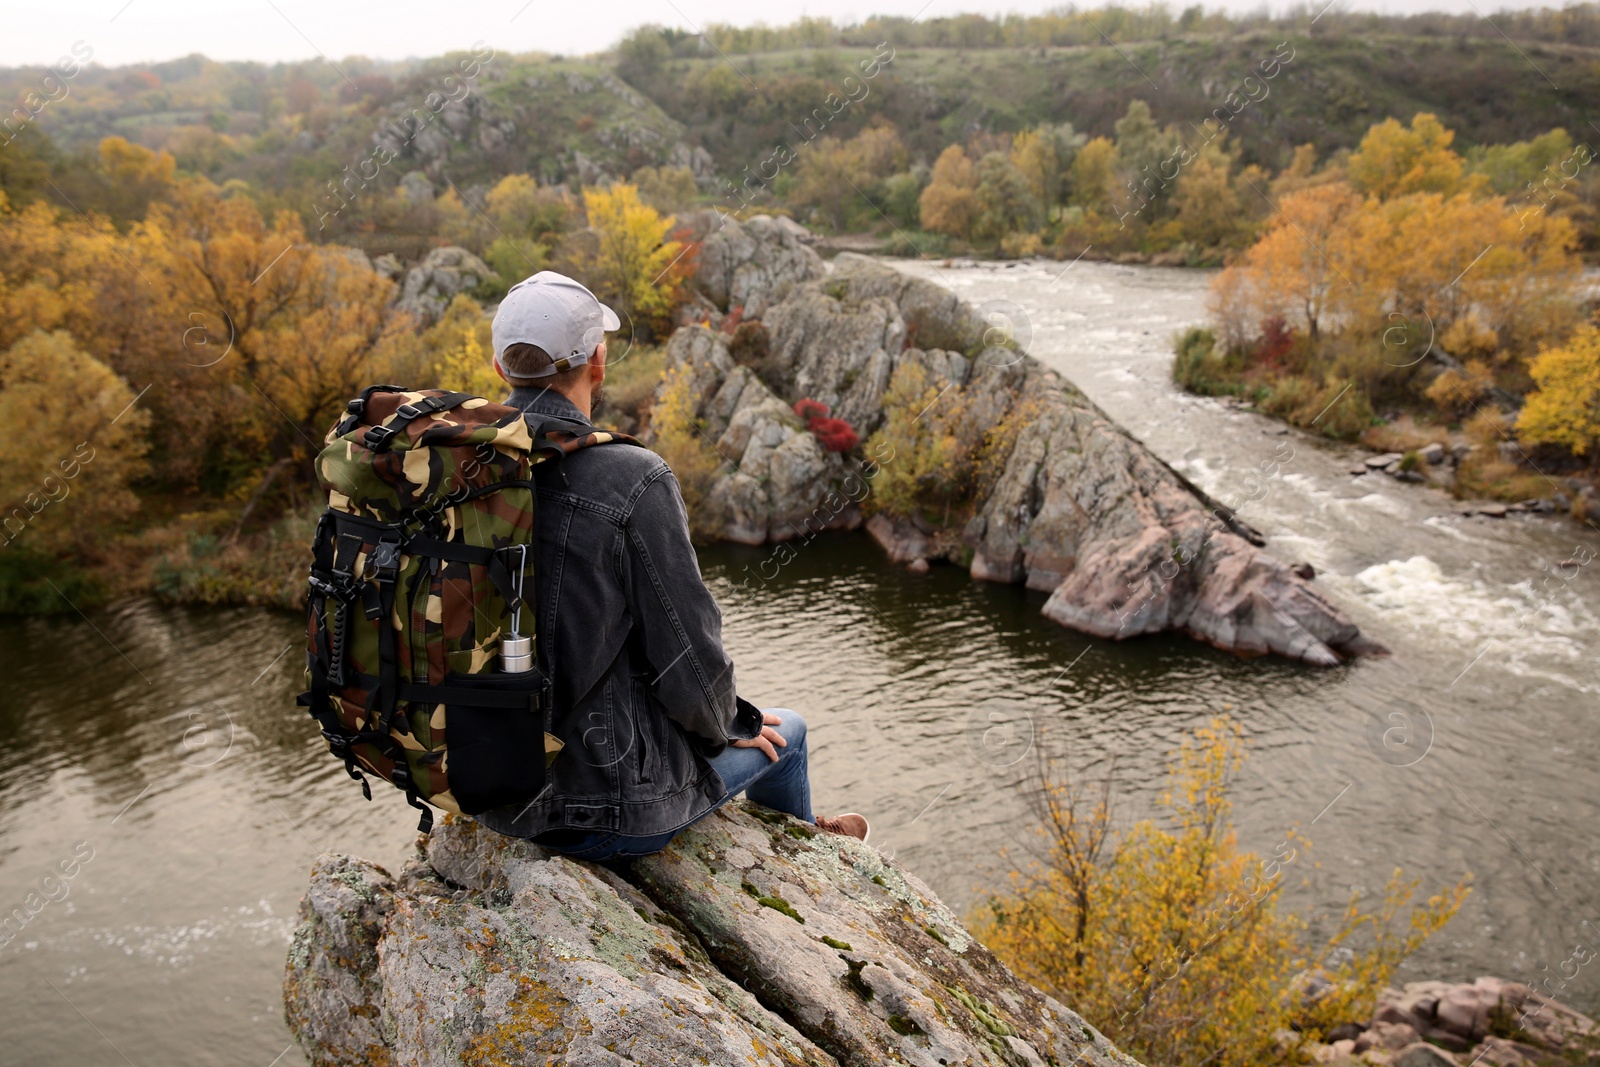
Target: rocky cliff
{"x": 753, "y": 939}
{"x": 1123, "y": 544}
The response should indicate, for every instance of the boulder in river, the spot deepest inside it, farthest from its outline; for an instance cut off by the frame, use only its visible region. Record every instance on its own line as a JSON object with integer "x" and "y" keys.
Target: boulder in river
{"x": 1490, "y": 1021}
{"x": 1077, "y": 508}
{"x": 753, "y": 939}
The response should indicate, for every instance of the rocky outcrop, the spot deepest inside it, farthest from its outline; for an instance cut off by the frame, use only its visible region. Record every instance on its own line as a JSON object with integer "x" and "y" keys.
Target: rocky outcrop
{"x": 753, "y": 939}
{"x": 428, "y": 287}
{"x": 1123, "y": 544}
{"x": 1489, "y": 1021}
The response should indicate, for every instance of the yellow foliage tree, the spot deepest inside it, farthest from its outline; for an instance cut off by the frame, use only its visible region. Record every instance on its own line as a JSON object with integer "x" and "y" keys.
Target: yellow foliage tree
{"x": 1033, "y": 152}
{"x": 1412, "y": 264}
{"x": 1293, "y": 269}
{"x": 48, "y": 270}
{"x": 1394, "y": 160}
{"x": 459, "y": 349}
{"x": 66, "y": 478}
{"x": 1208, "y": 208}
{"x": 1094, "y": 176}
{"x": 949, "y": 203}
{"x": 934, "y": 445}
{"x": 258, "y": 337}
{"x": 135, "y": 175}
{"x": 1168, "y": 937}
{"x": 1435, "y": 258}
{"x": 629, "y": 261}
{"x": 678, "y": 438}
{"x": 1564, "y": 408}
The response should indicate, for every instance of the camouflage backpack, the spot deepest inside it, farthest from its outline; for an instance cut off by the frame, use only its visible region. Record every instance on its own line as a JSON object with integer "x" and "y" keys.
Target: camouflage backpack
{"x": 420, "y": 658}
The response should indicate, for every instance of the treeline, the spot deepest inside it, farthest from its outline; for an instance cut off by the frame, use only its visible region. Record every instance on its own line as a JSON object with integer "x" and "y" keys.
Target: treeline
{"x": 176, "y": 353}
{"x": 1407, "y": 294}
{"x": 297, "y": 133}
{"x": 1577, "y": 24}
{"x": 1166, "y": 193}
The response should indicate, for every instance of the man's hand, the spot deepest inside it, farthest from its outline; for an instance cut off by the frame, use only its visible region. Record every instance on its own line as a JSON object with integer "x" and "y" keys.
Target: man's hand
{"x": 767, "y": 738}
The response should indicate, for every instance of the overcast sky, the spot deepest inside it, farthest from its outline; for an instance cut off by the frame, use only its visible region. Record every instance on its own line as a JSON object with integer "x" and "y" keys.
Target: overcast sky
{"x": 131, "y": 31}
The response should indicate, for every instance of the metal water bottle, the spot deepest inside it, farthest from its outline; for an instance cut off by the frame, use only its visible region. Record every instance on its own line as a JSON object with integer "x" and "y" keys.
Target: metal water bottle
{"x": 516, "y": 654}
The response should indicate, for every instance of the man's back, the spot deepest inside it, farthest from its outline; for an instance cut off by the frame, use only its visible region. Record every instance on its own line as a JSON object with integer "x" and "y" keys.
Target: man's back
{"x": 632, "y": 639}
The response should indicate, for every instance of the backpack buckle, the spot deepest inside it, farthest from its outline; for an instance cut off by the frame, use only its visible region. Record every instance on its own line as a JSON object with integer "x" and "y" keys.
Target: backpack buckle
{"x": 356, "y": 406}
{"x": 338, "y": 744}
{"x": 378, "y": 437}
{"x": 385, "y": 560}
{"x": 409, "y": 411}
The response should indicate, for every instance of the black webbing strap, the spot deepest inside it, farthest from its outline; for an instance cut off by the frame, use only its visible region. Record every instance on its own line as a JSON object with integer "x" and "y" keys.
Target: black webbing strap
{"x": 357, "y": 408}
{"x": 488, "y": 558}
{"x": 379, "y": 438}
{"x": 511, "y": 700}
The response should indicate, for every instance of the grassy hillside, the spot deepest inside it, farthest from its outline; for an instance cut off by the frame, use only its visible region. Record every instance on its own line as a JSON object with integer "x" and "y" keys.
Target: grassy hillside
{"x": 1335, "y": 88}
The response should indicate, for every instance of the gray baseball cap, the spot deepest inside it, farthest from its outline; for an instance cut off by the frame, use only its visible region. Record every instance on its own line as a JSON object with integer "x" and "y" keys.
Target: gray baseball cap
{"x": 556, "y": 313}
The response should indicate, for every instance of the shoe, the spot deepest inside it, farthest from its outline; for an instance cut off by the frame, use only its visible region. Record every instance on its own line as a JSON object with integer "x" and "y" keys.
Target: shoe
{"x": 849, "y": 824}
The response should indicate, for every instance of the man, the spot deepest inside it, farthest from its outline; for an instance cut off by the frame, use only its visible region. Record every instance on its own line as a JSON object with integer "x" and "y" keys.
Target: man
{"x": 655, "y": 735}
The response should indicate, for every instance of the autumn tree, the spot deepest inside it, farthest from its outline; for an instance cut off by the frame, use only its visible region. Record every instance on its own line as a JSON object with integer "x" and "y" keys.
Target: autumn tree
{"x": 629, "y": 259}
{"x": 949, "y": 203}
{"x": 1293, "y": 270}
{"x": 260, "y": 338}
{"x": 1044, "y": 155}
{"x": 1393, "y": 159}
{"x": 67, "y": 478}
{"x": 1003, "y": 202}
{"x": 135, "y": 177}
{"x": 1564, "y": 408}
{"x": 828, "y": 177}
{"x": 1171, "y": 939}
{"x": 1208, "y": 208}
{"x": 935, "y": 444}
{"x": 458, "y": 350}
{"x": 1094, "y": 177}
{"x": 834, "y": 176}
{"x": 48, "y": 269}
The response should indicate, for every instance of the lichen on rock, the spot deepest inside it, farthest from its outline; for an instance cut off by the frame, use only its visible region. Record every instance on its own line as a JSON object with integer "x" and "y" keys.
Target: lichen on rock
{"x": 487, "y": 950}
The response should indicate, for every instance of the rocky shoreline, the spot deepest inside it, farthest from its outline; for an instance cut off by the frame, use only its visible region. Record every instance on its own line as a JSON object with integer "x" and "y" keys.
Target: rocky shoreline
{"x": 1078, "y": 509}
{"x": 1491, "y": 1022}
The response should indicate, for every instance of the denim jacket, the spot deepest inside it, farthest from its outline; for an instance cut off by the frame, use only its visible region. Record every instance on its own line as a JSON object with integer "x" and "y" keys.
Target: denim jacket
{"x": 632, "y": 639}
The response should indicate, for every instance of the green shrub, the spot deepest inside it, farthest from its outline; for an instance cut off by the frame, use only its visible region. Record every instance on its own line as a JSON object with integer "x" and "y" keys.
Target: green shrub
{"x": 1200, "y": 368}
{"x": 35, "y": 584}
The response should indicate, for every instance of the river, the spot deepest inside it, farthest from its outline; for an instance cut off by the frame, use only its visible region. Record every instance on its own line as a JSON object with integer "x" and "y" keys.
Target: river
{"x": 156, "y": 752}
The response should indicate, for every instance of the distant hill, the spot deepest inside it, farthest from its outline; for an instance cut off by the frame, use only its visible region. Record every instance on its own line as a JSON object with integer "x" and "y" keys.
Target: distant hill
{"x": 718, "y": 104}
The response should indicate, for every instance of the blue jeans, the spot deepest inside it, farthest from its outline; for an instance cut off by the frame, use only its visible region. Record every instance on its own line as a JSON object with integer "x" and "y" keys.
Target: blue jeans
{"x": 782, "y": 785}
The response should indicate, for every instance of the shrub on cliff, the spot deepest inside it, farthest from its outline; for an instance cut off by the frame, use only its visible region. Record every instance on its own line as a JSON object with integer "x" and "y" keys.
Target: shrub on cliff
{"x": 933, "y": 443}
{"x": 680, "y": 441}
{"x": 835, "y": 435}
{"x": 1169, "y": 938}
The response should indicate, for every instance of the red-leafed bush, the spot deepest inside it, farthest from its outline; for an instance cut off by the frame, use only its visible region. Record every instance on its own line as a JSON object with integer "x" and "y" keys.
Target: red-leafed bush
{"x": 809, "y": 410}
{"x": 835, "y": 435}
{"x": 1276, "y": 339}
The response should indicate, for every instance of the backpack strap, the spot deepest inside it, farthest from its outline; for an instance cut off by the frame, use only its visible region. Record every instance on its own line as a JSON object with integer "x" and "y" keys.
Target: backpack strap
{"x": 489, "y": 558}
{"x": 378, "y": 438}
{"x": 357, "y": 408}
